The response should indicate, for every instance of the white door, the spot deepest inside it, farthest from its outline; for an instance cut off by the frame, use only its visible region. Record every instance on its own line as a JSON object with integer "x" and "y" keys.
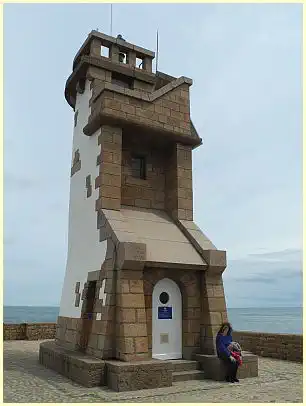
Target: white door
{"x": 166, "y": 320}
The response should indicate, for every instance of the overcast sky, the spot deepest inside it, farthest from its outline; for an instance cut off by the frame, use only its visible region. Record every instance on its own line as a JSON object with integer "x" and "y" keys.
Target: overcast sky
{"x": 246, "y": 103}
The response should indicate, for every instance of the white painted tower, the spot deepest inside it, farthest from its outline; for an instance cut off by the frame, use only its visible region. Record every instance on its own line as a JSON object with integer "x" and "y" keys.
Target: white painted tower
{"x": 85, "y": 252}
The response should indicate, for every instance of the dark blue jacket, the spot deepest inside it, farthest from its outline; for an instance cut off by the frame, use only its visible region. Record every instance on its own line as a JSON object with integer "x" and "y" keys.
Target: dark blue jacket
{"x": 222, "y": 342}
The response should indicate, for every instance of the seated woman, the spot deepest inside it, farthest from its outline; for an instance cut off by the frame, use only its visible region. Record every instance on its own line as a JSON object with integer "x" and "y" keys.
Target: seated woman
{"x": 223, "y": 340}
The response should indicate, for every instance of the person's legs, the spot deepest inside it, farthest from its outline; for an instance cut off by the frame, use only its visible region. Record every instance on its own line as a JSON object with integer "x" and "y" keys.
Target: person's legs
{"x": 234, "y": 371}
{"x": 228, "y": 364}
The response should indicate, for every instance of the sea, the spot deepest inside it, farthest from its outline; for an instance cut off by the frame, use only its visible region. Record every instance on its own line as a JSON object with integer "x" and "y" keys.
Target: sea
{"x": 265, "y": 320}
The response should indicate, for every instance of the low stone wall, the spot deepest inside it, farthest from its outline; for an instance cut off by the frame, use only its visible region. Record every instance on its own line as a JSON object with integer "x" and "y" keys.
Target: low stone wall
{"x": 29, "y": 331}
{"x": 282, "y": 346}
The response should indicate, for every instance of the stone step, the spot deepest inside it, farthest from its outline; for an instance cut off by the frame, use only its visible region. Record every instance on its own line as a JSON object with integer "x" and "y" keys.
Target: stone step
{"x": 184, "y": 365}
{"x": 191, "y": 375}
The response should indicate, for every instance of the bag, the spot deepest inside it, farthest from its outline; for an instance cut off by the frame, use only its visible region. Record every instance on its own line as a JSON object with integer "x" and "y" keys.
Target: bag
{"x": 234, "y": 346}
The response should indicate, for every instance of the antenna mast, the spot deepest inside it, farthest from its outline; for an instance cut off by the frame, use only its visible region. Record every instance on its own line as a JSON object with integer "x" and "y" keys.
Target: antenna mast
{"x": 156, "y": 51}
{"x": 111, "y": 19}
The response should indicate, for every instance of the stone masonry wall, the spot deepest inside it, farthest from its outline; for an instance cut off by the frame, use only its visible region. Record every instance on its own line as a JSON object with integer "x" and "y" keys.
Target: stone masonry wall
{"x": 149, "y": 192}
{"x": 66, "y": 333}
{"x": 280, "y": 346}
{"x": 109, "y": 161}
{"x": 131, "y": 328}
{"x": 29, "y": 331}
{"x": 214, "y": 310}
{"x": 169, "y": 112}
{"x": 179, "y": 196}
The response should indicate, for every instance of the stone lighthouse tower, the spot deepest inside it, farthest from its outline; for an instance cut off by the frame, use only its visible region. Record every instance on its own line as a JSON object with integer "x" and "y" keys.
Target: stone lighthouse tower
{"x": 143, "y": 285}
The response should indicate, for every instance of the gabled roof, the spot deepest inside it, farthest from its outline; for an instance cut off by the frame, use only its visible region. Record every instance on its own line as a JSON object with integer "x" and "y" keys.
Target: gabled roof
{"x": 165, "y": 242}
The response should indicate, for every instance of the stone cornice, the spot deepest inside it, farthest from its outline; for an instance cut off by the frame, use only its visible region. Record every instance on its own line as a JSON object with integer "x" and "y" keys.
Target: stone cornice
{"x": 100, "y": 62}
{"x": 148, "y": 97}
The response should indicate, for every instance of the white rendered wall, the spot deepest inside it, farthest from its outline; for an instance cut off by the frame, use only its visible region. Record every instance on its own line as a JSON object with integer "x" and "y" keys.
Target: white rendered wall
{"x": 85, "y": 252}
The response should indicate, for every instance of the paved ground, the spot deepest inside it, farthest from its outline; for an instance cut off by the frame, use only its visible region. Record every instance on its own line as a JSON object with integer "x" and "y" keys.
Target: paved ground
{"x": 25, "y": 380}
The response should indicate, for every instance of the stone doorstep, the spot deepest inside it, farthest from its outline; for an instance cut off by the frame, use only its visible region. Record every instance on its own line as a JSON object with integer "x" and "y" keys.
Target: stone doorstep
{"x": 182, "y": 365}
{"x": 213, "y": 367}
{"x": 131, "y": 376}
{"x": 118, "y": 366}
{"x": 191, "y": 375}
{"x": 184, "y": 370}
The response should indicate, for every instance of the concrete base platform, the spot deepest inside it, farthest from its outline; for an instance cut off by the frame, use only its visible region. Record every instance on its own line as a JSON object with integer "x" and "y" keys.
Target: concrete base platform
{"x": 214, "y": 369}
{"x": 117, "y": 375}
{"x": 130, "y": 376}
{"x": 78, "y": 367}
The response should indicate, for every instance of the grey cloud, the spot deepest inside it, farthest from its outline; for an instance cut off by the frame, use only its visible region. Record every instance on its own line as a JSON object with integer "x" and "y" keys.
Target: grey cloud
{"x": 255, "y": 279}
{"x": 9, "y": 144}
{"x": 293, "y": 272}
{"x": 279, "y": 255}
{"x": 25, "y": 267}
{"x": 60, "y": 207}
{"x": 268, "y": 278}
{"x": 245, "y": 272}
{"x": 13, "y": 182}
{"x": 16, "y": 183}
{"x": 270, "y": 266}
{"x": 9, "y": 241}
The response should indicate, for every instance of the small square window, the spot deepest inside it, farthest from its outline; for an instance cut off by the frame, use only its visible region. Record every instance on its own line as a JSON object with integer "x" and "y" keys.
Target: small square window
{"x": 121, "y": 80}
{"x": 104, "y": 51}
{"x": 139, "y": 63}
{"x": 139, "y": 167}
{"x": 122, "y": 57}
{"x": 76, "y": 118}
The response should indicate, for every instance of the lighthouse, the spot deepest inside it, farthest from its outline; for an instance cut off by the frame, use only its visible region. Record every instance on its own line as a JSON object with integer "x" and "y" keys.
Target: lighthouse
{"x": 143, "y": 284}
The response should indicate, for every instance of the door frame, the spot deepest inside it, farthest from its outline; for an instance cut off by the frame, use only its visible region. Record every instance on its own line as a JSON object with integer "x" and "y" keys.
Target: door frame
{"x": 87, "y": 315}
{"x": 179, "y": 298}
